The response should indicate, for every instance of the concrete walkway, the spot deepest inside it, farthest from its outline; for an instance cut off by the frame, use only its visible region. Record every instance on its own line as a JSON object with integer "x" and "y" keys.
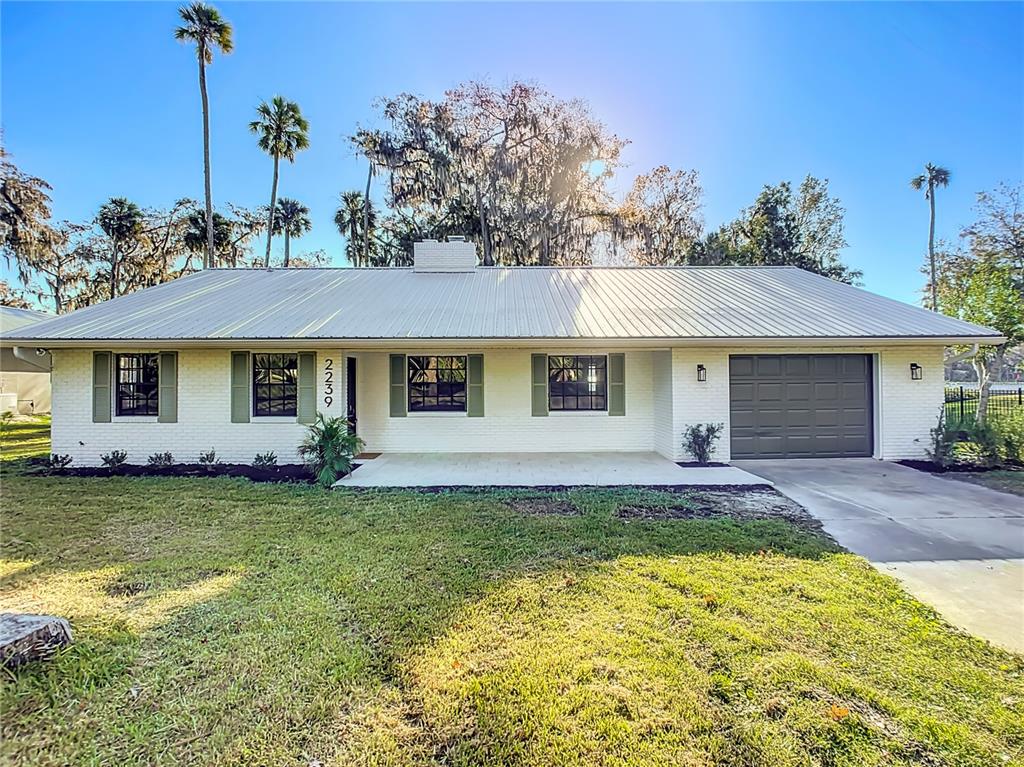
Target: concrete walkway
{"x": 954, "y": 545}
{"x": 536, "y": 469}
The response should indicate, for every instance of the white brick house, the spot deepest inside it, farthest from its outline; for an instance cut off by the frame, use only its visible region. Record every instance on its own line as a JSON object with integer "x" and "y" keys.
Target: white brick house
{"x": 447, "y": 356}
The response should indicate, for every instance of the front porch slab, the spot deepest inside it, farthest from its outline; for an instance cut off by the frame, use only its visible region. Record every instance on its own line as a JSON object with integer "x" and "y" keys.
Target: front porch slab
{"x": 537, "y": 470}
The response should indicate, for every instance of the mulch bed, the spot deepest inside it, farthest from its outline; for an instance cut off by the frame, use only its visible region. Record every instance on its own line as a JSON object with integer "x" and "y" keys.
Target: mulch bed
{"x": 695, "y": 465}
{"x": 937, "y": 468}
{"x": 295, "y": 473}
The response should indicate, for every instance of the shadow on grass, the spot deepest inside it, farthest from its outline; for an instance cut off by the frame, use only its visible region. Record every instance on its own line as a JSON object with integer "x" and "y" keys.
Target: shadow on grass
{"x": 224, "y": 622}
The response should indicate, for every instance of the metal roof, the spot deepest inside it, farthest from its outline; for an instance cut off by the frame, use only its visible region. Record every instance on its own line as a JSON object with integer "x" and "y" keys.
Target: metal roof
{"x": 501, "y": 303}
{"x": 11, "y": 317}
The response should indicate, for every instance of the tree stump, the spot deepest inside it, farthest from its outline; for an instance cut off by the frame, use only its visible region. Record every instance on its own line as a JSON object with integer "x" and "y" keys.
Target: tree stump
{"x": 25, "y": 637}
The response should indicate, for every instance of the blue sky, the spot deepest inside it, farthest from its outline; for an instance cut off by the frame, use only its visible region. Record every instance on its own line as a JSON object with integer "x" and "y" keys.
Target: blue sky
{"x": 101, "y": 101}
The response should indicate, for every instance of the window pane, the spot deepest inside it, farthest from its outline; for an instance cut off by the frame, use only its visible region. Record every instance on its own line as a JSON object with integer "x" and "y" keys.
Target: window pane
{"x": 437, "y": 384}
{"x": 577, "y": 382}
{"x": 274, "y": 389}
{"x": 137, "y": 384}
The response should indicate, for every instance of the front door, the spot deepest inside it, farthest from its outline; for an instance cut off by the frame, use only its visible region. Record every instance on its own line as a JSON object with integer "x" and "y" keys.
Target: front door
{"x": 350, "y": 393}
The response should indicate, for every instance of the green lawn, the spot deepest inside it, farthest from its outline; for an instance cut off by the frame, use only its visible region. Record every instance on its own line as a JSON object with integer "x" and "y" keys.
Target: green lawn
{"x": 1007, "y": 481}
{"x": 224, "y": 623}
{"x": 24, "y": 439}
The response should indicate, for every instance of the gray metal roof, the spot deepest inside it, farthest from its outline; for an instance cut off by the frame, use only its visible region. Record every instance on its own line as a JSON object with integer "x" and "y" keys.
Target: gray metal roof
{"x": 11, "y": 317}
{"x": 501, "y": 303}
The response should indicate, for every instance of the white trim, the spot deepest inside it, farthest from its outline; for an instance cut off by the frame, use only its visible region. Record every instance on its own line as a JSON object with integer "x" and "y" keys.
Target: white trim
{"x": 876, "y": 405}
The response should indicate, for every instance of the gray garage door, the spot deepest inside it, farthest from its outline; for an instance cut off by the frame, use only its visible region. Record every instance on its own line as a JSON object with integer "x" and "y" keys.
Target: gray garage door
{"x": 800, "y": 405}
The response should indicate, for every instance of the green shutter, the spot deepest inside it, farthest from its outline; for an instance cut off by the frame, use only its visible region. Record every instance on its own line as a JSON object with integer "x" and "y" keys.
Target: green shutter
{"x": 397, "y": 386}
{"x": 616, "y": 384}
{"x": 101, "y": 364}
{"x": 539, "y": 363}
{"x": 167, "y": 407}
{"x": 306, "y": 408}
{"x": 239, "y": 387}
{"x": 475, "y": 386}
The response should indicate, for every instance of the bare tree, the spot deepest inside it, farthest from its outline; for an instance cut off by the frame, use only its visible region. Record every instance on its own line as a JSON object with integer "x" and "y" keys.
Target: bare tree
{"x": 660, "y": 218}
{"x": 530, "y": 168}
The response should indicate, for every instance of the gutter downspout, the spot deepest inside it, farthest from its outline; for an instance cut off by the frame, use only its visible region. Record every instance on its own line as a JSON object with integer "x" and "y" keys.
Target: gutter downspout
{"x": 963, "y": 355}
{"x": 39, "y": 358}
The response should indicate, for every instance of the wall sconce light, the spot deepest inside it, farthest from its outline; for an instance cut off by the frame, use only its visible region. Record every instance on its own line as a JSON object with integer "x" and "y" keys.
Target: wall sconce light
{"x": 702, "y": 373}
{"x": 916, "y": 373}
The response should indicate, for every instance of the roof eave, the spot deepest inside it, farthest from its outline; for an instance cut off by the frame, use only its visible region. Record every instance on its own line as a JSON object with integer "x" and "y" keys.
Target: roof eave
{"x": 645, "y": 342}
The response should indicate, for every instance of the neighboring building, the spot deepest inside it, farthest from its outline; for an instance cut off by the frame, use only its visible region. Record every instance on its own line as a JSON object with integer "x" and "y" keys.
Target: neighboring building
{"x": 24, "y": 380}
{"x": 448, "y": 356}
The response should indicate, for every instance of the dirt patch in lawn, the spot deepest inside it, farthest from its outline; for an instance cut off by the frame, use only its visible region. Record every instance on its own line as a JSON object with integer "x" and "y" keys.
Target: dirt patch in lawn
{"x": 741, "y": 505}
{"x": 543, "y": 505}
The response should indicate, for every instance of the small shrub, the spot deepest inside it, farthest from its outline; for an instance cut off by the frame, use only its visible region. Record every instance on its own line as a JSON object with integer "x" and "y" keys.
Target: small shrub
{"x": 699, "y": 440}
{"x": 59, "y": 462}
{"x": 209, "y": 458}
{"x": 1010, "y": 428}
{"x": 6, "y": 418}
{"x": 945, "y": 436}
{"x": 160, "y": 459}
{"x": 328, "y": 449}
{"x": 265, "y": 460}
{"x": 114, "y": 458}
{"x": 981, "y": 445}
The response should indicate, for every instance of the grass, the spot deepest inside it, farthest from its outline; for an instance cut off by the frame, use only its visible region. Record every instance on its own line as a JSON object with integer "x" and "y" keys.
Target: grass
{"x": 1005, "y": 480}
{"x": 25, "y": 438}
{"x": 999, "y": 404}
{"x": 221, "y": 622}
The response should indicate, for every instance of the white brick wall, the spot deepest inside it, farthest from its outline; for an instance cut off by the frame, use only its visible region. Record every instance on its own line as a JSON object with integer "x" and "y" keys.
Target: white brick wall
{"x": 663, "y": 396}
{"x": 664, "y": 426}
{"x": 908, "y": 410}
{"x": 507, "y": 425}
{"x": 204, "y": 414}
{"x": 905, "y": 410}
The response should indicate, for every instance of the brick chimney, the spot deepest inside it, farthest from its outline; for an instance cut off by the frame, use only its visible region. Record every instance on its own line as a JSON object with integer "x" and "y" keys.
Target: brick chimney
{"x": 456, "y": 254}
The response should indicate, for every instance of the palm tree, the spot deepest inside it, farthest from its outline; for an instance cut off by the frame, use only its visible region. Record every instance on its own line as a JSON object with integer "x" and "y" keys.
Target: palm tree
{"x": 356, "y": 219}
{"x": 933, "y": 176}
{"x": 121, "y": 220}
{"x": 205, "y": 27}
{"x": 282, "y": 132}
{"x": 293, "y": 219}
{"x": 195, "y": 236}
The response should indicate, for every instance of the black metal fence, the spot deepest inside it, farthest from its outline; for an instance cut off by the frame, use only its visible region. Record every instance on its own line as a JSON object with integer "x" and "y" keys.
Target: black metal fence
{"x": 962, "y": 402}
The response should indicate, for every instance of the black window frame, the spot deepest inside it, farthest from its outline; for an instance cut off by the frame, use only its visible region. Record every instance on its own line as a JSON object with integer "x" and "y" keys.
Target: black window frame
{"x": 566, "y": 374}
{"x": 137, "y": 384}
{"x": 439, "y": 395}
{"x": 277, "y": 395}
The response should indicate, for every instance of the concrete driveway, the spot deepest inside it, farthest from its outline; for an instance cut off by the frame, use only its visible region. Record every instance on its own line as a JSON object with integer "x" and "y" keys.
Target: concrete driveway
{"x": 954, "y": 545}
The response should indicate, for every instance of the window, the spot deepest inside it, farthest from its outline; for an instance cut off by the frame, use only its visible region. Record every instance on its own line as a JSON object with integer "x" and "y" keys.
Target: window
{"x": 577, "y": 382}
{"x": 275, "y": 384}
{"x": 137, "y": 379}
{"x": 437, "y": 384}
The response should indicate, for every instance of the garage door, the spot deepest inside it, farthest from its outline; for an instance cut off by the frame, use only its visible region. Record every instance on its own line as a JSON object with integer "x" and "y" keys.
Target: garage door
{"x": 800, "y": 405}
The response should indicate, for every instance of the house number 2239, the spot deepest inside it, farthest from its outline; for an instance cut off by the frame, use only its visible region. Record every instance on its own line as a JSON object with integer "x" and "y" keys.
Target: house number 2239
{"x": 328, "y": 382}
